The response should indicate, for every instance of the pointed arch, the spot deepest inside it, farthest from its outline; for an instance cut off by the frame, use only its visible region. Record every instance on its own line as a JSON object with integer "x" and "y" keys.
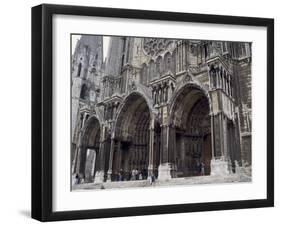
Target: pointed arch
{"x": 131, "y": 136}
{"x": 190, "y": 121}
{"x": 130, "y": 102}
{"x": 89, "y": 155}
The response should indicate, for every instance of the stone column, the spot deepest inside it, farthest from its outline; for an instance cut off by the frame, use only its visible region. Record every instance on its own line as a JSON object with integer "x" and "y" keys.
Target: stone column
{"x": 83, "y": 120}
{"x": 99, "y": 176}
{"x": 109, "y": 172}
{"x": 169, "y": 92}
{"x": 90, "y": 165}
{"x": 159, "y": 92}
{"x": 74, "y": 162}
{"x": 164, "y": 169}
{"x": 119, "y": 157}
{"x": 212, "y": 135}
{"x": 220, "y": 164}
{"x": 78, "y": 168}
{"x": 115, "y": 105}
{"x": 172, "y": 149}
{"x": 151, "y": 151}
{"x": 77, "y": 151}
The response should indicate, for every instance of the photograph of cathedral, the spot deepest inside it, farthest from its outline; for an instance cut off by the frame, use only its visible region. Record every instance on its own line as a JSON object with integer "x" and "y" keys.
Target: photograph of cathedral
{"x": 159, "y": 112}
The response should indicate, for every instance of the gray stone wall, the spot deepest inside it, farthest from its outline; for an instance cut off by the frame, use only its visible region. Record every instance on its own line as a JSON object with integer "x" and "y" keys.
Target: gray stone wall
{"x": 157, "y": 69}
{"x": 244, "y": 101}
{"x": 87, "y": 63}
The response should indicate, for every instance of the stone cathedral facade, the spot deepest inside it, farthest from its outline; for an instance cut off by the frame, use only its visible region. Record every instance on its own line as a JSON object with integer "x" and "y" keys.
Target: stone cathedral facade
{"x": 161, "y": 106}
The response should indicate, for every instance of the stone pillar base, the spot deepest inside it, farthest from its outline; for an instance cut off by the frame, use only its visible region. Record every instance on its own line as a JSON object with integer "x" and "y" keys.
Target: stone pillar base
{"x": 219, "y": 167}
{"x": 164, "y": 171}
{"x": 149, "y": 170}
{"x": 109, "y": 172}
{"x": 99, "y": 177}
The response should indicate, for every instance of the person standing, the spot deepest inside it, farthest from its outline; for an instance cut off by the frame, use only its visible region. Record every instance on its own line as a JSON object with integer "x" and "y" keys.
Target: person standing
{"x": 202, "y": 169}
{"x": 153, "y": 179}
{"x": 150, "y": 180}
{"x": 77, "y": 179}
{"x": 121, "y": 175}
{"x": 137, "y": 174}
{"x": 133, "y": 174}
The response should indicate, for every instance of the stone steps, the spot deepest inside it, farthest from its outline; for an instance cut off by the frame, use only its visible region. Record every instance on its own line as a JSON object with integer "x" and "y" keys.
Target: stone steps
{"x": 171, "y": 182}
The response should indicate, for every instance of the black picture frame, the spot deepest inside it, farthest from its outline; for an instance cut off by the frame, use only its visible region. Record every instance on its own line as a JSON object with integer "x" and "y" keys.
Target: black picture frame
{"x": 42, "y": 111}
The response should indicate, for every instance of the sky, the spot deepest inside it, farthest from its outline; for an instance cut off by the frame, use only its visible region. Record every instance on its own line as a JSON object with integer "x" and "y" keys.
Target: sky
{"x": 75, "y": 38}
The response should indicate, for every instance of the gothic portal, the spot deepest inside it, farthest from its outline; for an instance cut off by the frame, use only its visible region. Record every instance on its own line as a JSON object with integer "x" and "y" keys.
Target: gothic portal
{"x": 162, "y": 107}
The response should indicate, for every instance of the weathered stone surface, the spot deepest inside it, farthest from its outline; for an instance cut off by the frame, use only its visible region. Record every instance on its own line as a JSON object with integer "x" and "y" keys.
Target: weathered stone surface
{"x": 99, "y": 177}
{"x": 219, "y": 167}
{"x": 164, "y": 172}
{"x": 161, "y": 107}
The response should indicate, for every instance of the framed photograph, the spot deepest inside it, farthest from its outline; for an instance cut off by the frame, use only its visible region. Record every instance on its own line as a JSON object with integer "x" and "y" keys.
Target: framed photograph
{"x": 146, "y": 112}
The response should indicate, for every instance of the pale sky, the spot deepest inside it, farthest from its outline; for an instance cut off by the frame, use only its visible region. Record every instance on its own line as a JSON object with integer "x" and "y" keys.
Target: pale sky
{"x": 75, "y": 38}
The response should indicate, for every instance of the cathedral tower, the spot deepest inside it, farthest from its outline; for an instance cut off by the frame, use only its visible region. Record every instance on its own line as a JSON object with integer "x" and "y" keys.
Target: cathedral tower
{"x": 86, "y": 69}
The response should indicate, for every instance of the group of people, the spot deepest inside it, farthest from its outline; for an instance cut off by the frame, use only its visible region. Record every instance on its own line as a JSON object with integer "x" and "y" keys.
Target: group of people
{"x": 136, "y": 174}
{"x": 133, "y": 175}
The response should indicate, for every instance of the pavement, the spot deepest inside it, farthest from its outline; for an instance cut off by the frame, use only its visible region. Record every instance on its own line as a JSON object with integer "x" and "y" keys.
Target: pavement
{"x": 232, "y": 178}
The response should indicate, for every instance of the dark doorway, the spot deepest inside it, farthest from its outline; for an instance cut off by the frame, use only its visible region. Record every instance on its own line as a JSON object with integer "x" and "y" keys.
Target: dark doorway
{"x": 192, "y": 122}
{"x": 132, "y": 138}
